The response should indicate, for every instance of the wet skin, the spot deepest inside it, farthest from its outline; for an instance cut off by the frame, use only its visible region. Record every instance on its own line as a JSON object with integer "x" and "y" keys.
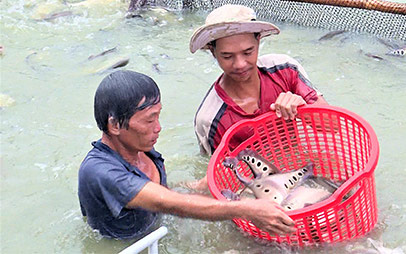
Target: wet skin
{"x": 237, "y": 56}
{"x": 140, "y": 137}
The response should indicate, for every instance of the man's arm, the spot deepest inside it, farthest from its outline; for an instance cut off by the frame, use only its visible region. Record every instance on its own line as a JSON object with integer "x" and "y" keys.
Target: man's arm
{"x": 265, "y": 214}
{"x": 320, "y": 100}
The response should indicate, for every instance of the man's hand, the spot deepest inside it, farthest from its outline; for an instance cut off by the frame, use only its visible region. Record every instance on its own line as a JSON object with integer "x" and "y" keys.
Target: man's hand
{"x": 269, "y": 216}
{"x": 286, "y": 105}
{"x": 265, "y": 214}
{"x": 198, "y": 185}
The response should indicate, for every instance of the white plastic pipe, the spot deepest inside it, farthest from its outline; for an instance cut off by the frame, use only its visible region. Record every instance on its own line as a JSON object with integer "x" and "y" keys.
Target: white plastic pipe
{"x": 149, "y": 241}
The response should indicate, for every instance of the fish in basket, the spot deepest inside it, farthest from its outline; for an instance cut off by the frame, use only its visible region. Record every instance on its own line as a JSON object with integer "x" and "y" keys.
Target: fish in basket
{"x": 319, "y": 167}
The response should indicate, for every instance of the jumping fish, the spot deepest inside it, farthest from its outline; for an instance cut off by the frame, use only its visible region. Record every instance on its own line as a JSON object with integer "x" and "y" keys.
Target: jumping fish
{"x": 376, "y": 57}
{"x": 398, "y": 52}
{"x": 46, "y": 10}
{"x": 395, "y": 49}
{"x": 102, "y": 53}
{"x": 56, "y": 15}
{"x": 111, "y": 64}
{"x": 120, "y": 63}
{"x": 155, "y": 67}
{"x": 276, "y": 187}
{"x": 331, "y": 35}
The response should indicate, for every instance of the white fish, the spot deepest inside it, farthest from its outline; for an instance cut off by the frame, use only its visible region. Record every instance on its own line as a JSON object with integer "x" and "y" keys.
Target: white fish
{"x": 398, "y": 52}
{"x": 292, "y": 190}
{"x": 276, "y": 187}
{"x": 257, "y": 163}
{"x": 311, "y": 191}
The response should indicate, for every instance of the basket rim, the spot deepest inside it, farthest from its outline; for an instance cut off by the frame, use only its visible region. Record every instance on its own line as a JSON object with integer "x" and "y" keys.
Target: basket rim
{"x": 336, "y": 197}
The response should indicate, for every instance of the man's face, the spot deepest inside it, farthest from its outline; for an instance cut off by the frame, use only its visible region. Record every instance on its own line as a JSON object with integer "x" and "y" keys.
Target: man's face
{"x": 143, "y": 130}
{"x": 237, "y": 55}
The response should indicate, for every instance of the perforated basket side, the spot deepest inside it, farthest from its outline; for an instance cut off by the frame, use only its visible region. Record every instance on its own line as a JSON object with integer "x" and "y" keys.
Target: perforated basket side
{"x": 342, "y": 146}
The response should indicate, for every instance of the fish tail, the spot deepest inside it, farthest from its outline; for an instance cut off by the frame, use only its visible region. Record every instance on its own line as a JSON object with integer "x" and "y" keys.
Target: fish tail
{"x": 308, "y": 170}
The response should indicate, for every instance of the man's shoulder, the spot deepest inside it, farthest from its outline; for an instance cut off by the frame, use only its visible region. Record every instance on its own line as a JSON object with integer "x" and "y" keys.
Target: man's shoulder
{"x": 210, "y": 106}
{"x": 280, "y": 61}
{"x": 98, "y": 161}
{"x": 271, "y": 60}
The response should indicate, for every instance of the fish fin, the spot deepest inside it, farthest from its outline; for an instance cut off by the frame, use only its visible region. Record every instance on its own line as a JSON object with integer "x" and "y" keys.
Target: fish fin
{"x": 230, "y": 195}
{"x": 331, "y": 35}
{"x": 230, "y": 162}
{"x": 390, "y": 45}
{"x": 307, "y": 204}
{"x": 242, "y": 179}
{"x": 326, "y": 183}
{"x": 310, "y": 170}
{"x": 243, "y": 153}
{"x": 251, "y": 153}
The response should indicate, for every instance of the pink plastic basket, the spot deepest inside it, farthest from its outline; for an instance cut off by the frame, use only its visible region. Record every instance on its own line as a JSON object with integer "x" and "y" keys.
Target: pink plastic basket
{"x": 342, "y": 146}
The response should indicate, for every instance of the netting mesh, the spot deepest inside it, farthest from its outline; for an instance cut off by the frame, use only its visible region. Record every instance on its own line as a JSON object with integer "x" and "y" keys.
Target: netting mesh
{"x": 381, "y": 24}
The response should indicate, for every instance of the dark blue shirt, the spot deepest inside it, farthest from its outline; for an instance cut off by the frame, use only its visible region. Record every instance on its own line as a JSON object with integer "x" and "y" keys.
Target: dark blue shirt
{"x": 106, "y": 184}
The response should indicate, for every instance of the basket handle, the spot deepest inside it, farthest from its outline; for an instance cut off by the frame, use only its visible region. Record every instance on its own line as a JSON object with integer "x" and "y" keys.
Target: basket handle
{"x": 350, "y": 184}
{"x": 253, "y": 122}
{"x": 243, "y": 123}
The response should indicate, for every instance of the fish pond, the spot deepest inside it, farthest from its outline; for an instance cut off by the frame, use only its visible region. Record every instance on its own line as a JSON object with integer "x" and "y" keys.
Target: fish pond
{"x": 47, "y": 88}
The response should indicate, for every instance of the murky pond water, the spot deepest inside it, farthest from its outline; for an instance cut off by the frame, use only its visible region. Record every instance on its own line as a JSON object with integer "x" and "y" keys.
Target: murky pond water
{"x": 47, "y": 87}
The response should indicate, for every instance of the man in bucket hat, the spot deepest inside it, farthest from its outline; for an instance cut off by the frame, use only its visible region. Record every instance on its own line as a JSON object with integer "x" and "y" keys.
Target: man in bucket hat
{"x": 249, "y": 86}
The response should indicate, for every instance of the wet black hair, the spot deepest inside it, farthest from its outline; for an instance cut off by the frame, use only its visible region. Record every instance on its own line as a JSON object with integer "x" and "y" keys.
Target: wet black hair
{"x": 119, "y": 95}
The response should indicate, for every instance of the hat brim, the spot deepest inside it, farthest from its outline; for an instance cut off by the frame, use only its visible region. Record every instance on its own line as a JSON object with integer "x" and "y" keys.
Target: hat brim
{"x": 208, "y": 33}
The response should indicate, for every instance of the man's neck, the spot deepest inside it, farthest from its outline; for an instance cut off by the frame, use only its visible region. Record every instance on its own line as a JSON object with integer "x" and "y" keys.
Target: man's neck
{"x": 132, "y": 157}
{"x": 245, "y": 94}
{"x": 240, "y": 89}
{"x": 136, "y": 158}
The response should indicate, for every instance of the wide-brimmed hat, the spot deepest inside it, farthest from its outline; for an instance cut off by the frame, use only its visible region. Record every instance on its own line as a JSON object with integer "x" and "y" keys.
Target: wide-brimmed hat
{"x": 229, "y": 20}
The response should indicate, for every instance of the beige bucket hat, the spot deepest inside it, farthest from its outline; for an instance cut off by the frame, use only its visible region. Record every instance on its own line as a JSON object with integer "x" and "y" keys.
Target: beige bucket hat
{"x": 229, "y": 20}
